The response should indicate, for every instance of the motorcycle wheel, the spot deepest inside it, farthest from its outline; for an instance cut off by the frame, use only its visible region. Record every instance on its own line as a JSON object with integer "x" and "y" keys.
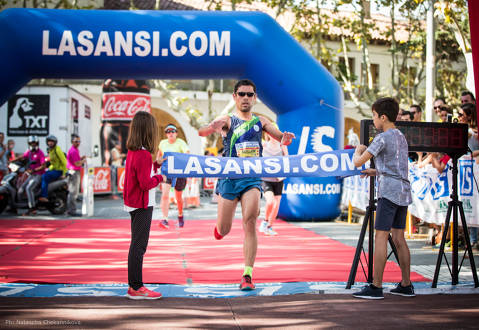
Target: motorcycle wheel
{"x": 58, "y": 203}
{"x": 3, "y": 203}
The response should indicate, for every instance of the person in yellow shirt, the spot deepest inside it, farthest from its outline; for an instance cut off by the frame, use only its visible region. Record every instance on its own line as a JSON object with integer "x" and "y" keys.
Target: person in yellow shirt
{"x": 172, "y": 144}
{"x": 57, "y": 168}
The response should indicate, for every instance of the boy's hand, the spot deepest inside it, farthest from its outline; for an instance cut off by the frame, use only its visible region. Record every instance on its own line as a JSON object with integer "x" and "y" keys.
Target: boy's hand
{"x": 368, "y": 172}
{"x": 360, "y": 149}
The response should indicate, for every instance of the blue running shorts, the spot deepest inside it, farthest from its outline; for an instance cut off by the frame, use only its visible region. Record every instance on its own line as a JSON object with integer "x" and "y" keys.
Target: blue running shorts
{"x": 235, "y": 188}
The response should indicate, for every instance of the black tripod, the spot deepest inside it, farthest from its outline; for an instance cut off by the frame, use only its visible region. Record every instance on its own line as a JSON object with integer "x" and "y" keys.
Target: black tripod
{"x": 454, "y": 206}
{"x": 368, "y": 220}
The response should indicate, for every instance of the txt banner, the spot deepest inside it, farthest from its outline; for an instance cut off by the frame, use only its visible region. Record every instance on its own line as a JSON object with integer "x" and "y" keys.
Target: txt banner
{"x": 323, "y": 164}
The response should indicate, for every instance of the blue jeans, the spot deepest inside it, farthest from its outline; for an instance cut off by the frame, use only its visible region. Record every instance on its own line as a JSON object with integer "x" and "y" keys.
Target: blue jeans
{"x": 48, "y": 177}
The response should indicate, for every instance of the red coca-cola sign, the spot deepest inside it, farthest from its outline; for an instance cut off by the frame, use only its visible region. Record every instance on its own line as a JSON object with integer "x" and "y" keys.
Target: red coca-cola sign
{"x": 120, "y": 178}
{"x": 123, "y": 106}
{"x": 102, "y": 180}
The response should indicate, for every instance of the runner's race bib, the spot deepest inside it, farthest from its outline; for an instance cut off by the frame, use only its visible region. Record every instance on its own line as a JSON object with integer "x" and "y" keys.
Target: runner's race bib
{"x": 247, "y": 149}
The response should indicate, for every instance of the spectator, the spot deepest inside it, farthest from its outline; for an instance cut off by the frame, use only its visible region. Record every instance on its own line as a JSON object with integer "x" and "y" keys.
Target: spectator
{"x": 3, "y": 156}
{"x": 444, "y": 113}
{"x": 10, "y": 152}
{"x": 438, "y": 103}
{"x": 74, "y": 166}
{"x": 467, "y": 97}
{"x": 407, "y": 116}
{"x": 36, "y": 159}
{"x": 416, "y": 110}
{"x": 57, "y": 168}
{"x": 117, "y": 156}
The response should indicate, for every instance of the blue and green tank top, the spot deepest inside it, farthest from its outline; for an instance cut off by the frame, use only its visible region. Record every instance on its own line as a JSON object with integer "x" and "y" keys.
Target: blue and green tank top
{"x": 244, "y": 138}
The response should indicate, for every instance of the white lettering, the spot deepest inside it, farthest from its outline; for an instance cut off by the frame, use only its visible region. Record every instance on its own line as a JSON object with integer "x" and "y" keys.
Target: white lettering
{"x": 317, "y": 138}
{"x": 173, "y": 45}
{"x": 171, "y": 166}
{"x": 83, "y": 39}
{"x": 144, "y": 45}
{"x": 203, "y": 43}
{"x": 103, "y": 45}
{"x": 217, "y": 45}
{"x": 347, "y": 163}
{"x": 45, "y": 44}
{"x": 67, "y": 44}
{"x": 249, "y": 165}
{"x": 231, "y": 166}
{"x": 193, "y": 165}
{"x": 272, "y": 165}
{"x": 324, "y": 162}
{"x": 156, "y": 43}
{"x": 304, "y": 163}
{"x": 214, "y": 165}
{"x": 123, "y": 44}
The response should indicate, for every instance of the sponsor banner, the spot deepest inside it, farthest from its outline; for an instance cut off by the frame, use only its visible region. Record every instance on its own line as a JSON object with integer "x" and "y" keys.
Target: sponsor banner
{"x": 430, "y": 191}
{"x": 123, "y": 105}
{"x": 28, "y": 115}
{"x": 209, "y": 183}
{"x": 325, "y": 164}
{"x": 102, "y": 180}
{"x": 120, "y": 178}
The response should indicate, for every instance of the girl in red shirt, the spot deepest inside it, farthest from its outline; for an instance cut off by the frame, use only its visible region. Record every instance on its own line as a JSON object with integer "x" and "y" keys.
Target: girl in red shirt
{"x": 139, "y": 196}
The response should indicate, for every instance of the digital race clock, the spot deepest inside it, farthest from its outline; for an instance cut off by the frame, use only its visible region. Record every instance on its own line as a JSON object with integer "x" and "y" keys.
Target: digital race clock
{"x": 447, "y": 138}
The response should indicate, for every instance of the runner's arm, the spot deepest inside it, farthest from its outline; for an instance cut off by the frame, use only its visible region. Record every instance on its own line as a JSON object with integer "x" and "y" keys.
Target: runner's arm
{"x": 219, "y": 125}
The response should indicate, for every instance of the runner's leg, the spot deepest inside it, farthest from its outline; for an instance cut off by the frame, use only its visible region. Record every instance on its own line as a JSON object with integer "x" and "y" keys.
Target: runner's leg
{"x": 250, "y": 202}
{"x": 226, "y": 212}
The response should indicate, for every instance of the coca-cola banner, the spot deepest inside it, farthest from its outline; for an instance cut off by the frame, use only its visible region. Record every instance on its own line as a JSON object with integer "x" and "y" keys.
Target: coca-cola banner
{"x": 123, "y": 106}
{"x": 102, "y": 180}
{"x": 120, "y": 178}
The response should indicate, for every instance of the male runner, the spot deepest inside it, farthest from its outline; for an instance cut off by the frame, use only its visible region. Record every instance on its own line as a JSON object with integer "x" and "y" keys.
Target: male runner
{"x": 241, "y": 133}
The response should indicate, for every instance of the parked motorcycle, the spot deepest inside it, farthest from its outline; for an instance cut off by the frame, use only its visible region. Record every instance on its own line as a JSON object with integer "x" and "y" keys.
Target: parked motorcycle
{"x": 10, "y": 184}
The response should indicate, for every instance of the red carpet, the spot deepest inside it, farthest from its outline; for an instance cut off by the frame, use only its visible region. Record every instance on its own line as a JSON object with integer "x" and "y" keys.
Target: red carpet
{"x": 95, "y": 251}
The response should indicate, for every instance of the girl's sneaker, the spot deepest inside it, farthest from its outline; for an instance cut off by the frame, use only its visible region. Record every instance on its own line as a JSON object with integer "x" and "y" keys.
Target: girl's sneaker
{"x": 142, "y": 293}
{"x": 164, "y": 224}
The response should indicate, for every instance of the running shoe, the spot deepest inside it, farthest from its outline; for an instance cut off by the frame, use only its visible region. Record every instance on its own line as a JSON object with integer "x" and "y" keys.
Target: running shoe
{"x": 181, "y": 221}
{"x": 269, "y": 231}
{"x": 369, "y": 292}
{"x": 263, "y": 226}
{"x": 405, "y": 291}
{"x": 217, "y": 235}
{"x": 164, "y": 224}
{"x": 246, "y": 283}
{"x": 142, "y": 293}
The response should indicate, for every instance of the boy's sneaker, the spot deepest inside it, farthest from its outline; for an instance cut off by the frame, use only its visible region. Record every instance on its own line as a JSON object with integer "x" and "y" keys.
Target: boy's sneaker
{"x": 142, "y": 293}
{"x": 263, "y": 226}
{"x": 217, "y": 235}
{"x": 269, "y": 231}
{"x": 246, "y": 283}
{"x": 164, "y": 224}
{"x": 369, "y": 292}
{"x": 405, "y": 291}
{"x": 181, "y": 221}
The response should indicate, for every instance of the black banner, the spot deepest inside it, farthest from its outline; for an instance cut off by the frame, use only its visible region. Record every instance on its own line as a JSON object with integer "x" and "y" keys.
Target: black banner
{"x": 28, "y": 115}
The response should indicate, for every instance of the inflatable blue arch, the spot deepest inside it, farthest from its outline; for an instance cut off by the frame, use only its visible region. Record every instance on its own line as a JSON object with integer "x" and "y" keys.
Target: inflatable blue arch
{"x": 99, "y": 44}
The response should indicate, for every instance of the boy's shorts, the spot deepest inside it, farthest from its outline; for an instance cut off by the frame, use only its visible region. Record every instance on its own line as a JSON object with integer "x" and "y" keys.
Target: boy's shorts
{"x": 235, "y": 188}
{"x": 390, "y": 215}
